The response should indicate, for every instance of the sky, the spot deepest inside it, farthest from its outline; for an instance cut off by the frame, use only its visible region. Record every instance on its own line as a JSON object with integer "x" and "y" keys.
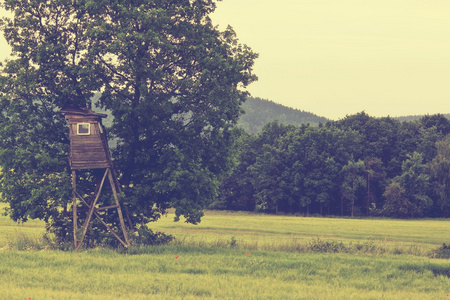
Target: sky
{"x": 340, "y": 57}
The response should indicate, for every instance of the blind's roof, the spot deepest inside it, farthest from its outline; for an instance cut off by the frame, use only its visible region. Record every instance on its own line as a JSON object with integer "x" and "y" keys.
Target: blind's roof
{"x": 81, "y": 112}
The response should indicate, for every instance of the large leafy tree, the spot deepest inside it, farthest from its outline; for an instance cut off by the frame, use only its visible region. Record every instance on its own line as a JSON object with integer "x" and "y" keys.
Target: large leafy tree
{"x": 352, "y": 181}
{"x": 414, "y": 189}
{"x": 173, "y": 82}
{"x": 440, "y": 172}
{"x": 236, "y": 190}
{"x": 269, "y": 169}
{"x": 397, "y": 204}
{"x": 374, "y": 178}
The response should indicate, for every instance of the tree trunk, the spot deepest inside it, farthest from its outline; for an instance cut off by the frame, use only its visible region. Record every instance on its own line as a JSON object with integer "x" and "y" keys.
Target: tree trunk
{"x": 133, "y": 139}
{"x": 353, "y": 206}
{"x": 368, "y": 195}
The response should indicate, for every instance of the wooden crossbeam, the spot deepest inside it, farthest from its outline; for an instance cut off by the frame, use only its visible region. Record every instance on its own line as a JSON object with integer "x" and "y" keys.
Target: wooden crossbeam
{"x": 106, "y": 207}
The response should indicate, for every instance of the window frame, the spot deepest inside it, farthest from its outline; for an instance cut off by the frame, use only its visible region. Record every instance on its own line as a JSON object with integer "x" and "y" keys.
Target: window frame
{"x": 79, "y": 125}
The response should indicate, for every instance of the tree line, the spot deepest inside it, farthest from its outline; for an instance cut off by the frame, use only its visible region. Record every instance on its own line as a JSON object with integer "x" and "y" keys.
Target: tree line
{"x": 357, "y": 166}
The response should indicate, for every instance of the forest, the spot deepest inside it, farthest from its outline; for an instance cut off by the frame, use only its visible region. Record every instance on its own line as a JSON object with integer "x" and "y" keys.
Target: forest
{"x": 357, "y": 166}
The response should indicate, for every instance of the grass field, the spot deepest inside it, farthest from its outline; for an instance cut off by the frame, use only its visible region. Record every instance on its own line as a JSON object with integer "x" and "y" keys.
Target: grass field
{"x": 268, "y": 232}
{"x": 10, "y": 230}
{"x": 241, "y": 256}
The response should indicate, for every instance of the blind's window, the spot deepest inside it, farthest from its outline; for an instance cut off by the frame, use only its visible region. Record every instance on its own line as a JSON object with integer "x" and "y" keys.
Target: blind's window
{"x": 83, "y": 129}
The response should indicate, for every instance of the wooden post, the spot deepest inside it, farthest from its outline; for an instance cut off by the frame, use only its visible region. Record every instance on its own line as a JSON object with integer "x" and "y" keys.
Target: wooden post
{"x": 119, "y": 210}
{"x": 92, "y": 206}
{"x": 119, "y": 190}
{"x": 74, "y": 207}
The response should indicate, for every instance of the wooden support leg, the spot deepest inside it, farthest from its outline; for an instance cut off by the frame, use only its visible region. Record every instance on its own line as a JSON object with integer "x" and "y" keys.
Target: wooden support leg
{"x": 92, "y": 207}
{"x": 119, "y": 190}
{"x": 119, "y": 210}
{"x": 74, "y": 207}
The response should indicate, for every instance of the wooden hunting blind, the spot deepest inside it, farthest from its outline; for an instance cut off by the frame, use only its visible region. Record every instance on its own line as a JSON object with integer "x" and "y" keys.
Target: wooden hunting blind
{"x": 89, "y": 151}
{"x": 88, "y": 143}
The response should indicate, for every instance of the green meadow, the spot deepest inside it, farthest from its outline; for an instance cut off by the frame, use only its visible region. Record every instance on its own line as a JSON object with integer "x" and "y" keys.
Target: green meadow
{"x": 239, "y": 256}
{"x": 269, "y": 232}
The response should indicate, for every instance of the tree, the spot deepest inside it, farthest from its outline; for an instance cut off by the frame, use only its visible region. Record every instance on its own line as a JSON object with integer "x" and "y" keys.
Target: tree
{"x": 269, "y": 184}
{"x": 439, "y": 121}
{"x": 374, "y": 176}
{"x": 173, "y": 82}
{"x": 396, "y": 204}
{"x": 353, "y": 180}
{"x": 416, "y": 181}
{"x": 236, "y": 190}
{"x": 414, "y": 184}
{"x": 427, "y": 142}
{"x": 328, "y": 183}
{"x": 440, "y": 172}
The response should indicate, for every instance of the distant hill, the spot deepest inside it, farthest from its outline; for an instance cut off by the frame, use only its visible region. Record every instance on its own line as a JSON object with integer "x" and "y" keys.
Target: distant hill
{"x": 259, "y": 111}
{"x": 416, "y": 117}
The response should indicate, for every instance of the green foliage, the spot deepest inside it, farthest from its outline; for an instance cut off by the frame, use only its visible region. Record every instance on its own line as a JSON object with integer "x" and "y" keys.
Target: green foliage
{"x": 33, "y": 155}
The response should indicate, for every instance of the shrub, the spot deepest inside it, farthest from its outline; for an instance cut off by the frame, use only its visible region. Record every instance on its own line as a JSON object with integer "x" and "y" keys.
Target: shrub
{"x": 144, "y": 236}
{"x": 442, "y": 252}
{"x": 318, "y": 245}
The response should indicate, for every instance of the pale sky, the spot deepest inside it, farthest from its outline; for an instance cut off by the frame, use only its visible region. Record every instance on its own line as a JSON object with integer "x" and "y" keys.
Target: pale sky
{"x": 339, "y": 57}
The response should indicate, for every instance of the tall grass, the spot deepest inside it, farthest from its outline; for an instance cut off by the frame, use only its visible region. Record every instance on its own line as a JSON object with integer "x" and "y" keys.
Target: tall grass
{"x": 23, "y": 241}
{"x": 11, "y": 233}
{"x": 300, "y": 234}
{"x": 182, "y": 272}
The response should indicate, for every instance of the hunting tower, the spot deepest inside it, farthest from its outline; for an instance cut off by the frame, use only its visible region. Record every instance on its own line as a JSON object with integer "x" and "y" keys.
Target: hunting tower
{"x": 89, "y": 151}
